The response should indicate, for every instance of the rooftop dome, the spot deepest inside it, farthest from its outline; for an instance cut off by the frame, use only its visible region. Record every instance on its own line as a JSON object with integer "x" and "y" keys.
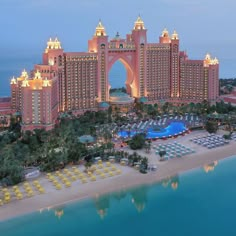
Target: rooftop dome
{"x": 103, "y": 105}
{"x": 143, "y": 99}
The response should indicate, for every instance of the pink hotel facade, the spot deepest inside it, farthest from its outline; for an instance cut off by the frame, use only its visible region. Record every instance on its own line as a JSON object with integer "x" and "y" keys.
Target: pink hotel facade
{"x": 78, "y": 81}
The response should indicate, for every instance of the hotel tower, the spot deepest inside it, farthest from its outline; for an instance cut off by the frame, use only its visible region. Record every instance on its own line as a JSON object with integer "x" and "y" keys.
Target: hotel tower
{"x": 78, "y": 81}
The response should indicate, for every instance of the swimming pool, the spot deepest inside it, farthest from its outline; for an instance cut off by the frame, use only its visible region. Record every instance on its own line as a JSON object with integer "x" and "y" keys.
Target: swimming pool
{"x": 174, "y": 128}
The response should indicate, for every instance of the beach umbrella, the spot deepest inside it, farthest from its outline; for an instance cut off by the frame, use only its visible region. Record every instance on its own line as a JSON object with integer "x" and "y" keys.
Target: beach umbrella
{"x": 81, "y": 176}
{"x": 19, "y": 196}
{"x": 106, "y": 170}
{"x": 113, "y": 168}
{"x": 7, "y": 199}
{"x": 68, "y": 184}
{"x": 58, "y": 186}
{"x": 102, "y": 175}
{"x": 98, "y": 172}
{"x": 93, "y": 178}
{"x": 84, "y": 180}
{"x": 111, "y": 173}
{"x": 41, "y": 190}
{"x": 73, "y": 178}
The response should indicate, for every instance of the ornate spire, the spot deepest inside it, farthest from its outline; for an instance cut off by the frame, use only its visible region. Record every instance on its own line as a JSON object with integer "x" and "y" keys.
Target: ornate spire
{"x": 13, "y": 80}
{"x": 37, "y": 75}
{"x": 25, "y": 83}
{"x": 139, "y": 24}
{"x": 53, "y": 44}
{"x": 24, "y": 74}
{"x": 100, "y": 29}
{"x": 174, "y": 35}
{"x": 209, "y": 61}
{"x": 165, "y": 33}
{"x": 46, "y": 82}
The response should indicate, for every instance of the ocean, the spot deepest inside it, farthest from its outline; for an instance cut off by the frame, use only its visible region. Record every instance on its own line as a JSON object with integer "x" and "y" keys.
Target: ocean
{"x": 196, "y": 202}
{"x": 13, "y": 64}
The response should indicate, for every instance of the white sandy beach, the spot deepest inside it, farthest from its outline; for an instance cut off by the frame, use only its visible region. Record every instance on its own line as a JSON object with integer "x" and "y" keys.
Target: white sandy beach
{"x": 129, "y": 177}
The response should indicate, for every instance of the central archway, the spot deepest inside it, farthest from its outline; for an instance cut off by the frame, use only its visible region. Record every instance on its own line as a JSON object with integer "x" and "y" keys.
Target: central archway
{"x": 117, "y": 75}
{"x": 127, "y": 61}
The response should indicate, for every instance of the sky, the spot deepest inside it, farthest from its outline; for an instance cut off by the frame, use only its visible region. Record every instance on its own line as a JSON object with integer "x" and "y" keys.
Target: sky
{"x": 203, "y": 25}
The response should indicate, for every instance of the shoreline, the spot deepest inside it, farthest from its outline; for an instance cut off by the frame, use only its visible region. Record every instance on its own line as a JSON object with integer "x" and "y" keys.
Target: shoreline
{"x": 128, "y": 179}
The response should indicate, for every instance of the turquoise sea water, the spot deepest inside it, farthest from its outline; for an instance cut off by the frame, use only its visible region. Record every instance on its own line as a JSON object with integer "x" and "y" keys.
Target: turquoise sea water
{"x": 193, "y": 203}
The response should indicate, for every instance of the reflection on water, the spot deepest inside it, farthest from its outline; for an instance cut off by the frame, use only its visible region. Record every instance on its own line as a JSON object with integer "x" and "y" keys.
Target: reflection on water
{"x": 59, "y": 211}
{"x": 210, "y": 167}
{"x": 139, "y": 197}
{"x": 120, "y": 195}
{"x": 102, "y": 204}
{"x": 172, "y": 181}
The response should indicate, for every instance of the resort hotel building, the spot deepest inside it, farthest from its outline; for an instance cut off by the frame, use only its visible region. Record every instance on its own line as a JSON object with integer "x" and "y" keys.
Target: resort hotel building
{"x": 78, "y": 81}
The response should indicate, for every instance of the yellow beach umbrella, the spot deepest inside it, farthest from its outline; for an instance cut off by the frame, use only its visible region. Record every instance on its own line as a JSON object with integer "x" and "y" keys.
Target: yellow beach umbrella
{"x": 102, "y": 175}
{"x": 41, "y": 190}
{"x": 93, "y": 178}
{"x": 58, "y": 186}
{"x": 19, "y": 196}
{"x": 73, "y": 178}
{"x": 106, "y": 170}
{"x": 68, "y": 184}
{"x": 81, "y": 176}
{"x": 7, "y": 199}
{"x": 113, "y": 168}
{"x": 100, "y": 166}
{"x": 84, "y": 180}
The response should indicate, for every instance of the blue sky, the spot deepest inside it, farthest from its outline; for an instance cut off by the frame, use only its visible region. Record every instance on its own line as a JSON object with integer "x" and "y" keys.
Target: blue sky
{"x": 203, "y": 25}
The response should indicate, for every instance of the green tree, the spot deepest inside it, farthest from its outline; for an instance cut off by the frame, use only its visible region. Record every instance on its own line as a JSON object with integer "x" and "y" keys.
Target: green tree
{"x": 137, "y": 142}
{"x": 144, "y": 165}
{"x": 211, "y": 126}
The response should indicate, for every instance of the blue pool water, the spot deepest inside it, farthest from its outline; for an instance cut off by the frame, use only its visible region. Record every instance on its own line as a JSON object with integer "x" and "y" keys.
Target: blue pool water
{"x": 194, "y": 203}
{"x": 174, "y": 128}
